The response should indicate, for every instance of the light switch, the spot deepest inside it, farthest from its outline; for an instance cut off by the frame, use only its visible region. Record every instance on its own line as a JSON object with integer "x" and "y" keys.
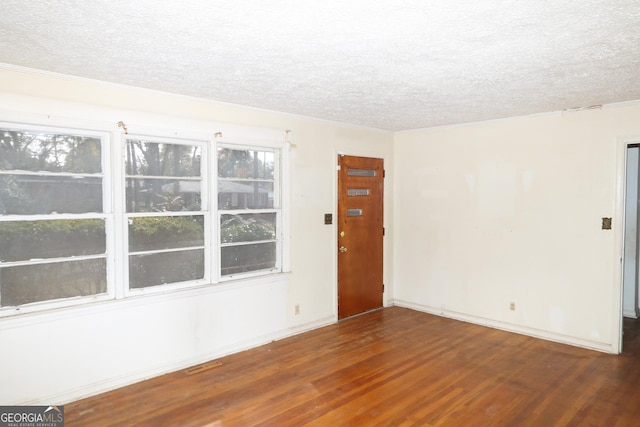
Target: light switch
{"x": 328, "y": 218}
{"x": 606, "y": 223}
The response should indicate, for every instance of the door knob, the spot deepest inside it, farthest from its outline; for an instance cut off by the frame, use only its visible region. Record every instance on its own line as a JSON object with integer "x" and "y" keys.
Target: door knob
{"x": 342, "y": 249}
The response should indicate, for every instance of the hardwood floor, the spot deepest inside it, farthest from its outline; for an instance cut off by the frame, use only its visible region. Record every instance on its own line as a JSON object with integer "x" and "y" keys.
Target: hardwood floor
{"x": 392, "y": 367}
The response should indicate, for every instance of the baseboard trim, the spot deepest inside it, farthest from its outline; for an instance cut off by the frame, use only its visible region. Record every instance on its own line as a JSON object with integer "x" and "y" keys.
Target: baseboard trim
{"x": 509, "y": 327}
{"x": 135, "y": 377}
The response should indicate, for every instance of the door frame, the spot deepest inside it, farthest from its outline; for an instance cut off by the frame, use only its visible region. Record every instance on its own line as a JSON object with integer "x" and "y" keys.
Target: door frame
{"x": 630, "y": 263}
{"x": 622, "y": 148}
{"x": 387, "y": 219}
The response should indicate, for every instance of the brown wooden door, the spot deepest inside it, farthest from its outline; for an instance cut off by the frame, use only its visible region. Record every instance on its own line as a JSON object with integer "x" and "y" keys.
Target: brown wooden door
{"x": 360, "y": 234}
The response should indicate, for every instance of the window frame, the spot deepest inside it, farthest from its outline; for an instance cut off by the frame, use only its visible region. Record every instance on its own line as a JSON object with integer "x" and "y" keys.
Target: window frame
{"x": 106, "y": 215}
{"x": 205, "y": 212}
{"x": 277, "y": 209}
{"x": 113, "y": 142}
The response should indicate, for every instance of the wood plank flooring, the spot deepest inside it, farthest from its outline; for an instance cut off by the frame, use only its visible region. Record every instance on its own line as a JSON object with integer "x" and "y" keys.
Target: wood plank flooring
{"x": 391, "y": 367}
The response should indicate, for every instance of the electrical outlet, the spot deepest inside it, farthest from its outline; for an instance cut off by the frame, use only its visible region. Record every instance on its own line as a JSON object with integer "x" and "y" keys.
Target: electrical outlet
{"x": 296, "y": 309}
{"x": 512, "y": 305}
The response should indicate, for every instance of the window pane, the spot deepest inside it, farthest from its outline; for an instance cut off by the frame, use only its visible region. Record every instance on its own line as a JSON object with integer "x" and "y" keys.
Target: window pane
{"x": 156, "y": 159}
{"x": 246, "y": 258}
{"x": 25, "y": 240}
{"x": 247, "y": 227}
{"x": 171, "y": 267}
{"x": 153, "y": 233}
{"x": 43, "y": 282}
{"x": 252, "y": 164}
{"x": 245, "y": 195}
{"x": 41, "y": 151}
{"x": 45, "y": 194}
{"x": 361, "y": 172}
{"x": 358, "y": 192}
{"x": 162, "y": 195}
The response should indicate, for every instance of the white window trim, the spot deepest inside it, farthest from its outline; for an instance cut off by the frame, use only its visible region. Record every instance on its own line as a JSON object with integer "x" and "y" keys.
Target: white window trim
{"x": 204, "y": 211}
{"x": 106, "y": 139}
{"x": 113, "y": 138}
{"x": 281, "y": 178}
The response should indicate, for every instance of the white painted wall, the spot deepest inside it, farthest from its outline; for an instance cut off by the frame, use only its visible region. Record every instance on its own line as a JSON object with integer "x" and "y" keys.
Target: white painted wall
{"x": 510, "y": 211}
{"x": 59, "y": 356}
{"x": 476, "y": 216}
{"x": 630, "y": 272}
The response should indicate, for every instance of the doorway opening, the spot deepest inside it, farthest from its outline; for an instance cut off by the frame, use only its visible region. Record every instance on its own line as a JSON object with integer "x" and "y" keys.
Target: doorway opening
{"x": 631, "y": 250}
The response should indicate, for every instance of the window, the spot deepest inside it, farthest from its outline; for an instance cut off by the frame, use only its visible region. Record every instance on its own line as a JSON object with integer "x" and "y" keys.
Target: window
{"x": 53, "y": 221}
{"x": 171, "y": 213}
{"x": 249, "y": 210}
{"x": 166, "y": 207}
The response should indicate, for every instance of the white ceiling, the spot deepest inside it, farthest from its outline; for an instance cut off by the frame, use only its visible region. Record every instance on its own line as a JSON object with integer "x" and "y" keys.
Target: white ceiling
{"x": 388, "y": 64}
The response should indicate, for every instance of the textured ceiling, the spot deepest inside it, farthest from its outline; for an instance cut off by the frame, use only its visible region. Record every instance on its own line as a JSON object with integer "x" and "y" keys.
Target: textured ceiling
{"x": 388, "y": 64}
